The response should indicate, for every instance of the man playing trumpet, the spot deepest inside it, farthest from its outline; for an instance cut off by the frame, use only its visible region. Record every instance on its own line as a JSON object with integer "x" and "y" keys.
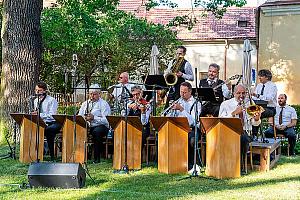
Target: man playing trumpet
{"x": 95, "y": 111}
{"x": 185, "y": 106}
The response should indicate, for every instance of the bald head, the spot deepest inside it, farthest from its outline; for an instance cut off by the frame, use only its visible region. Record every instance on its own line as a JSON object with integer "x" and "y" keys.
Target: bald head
{"x": 239, "y": 92}
{"x": 123, "y": 78}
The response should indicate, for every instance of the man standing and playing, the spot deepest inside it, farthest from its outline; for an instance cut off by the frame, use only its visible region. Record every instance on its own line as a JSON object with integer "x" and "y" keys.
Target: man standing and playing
{"x": 184, "y": 73}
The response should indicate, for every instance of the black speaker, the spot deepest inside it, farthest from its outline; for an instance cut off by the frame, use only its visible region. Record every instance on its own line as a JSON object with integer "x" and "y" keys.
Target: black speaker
{"x": 56, "y": 175}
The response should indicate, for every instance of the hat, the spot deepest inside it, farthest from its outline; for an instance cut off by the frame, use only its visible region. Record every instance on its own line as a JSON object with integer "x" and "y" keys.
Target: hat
{"x": 95, "y": 88}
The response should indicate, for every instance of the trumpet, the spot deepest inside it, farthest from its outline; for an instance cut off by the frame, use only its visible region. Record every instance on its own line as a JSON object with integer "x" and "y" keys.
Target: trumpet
{"x": 167, "y": 110}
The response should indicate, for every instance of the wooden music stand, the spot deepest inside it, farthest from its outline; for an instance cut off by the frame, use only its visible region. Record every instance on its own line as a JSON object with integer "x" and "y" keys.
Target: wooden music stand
{"x": 28, "y": 150}
{"x": 134, "y": 141}
{"x": 71, "y": 153}
{"x": 172, "y": 144}
{"x": 222, "y": 146}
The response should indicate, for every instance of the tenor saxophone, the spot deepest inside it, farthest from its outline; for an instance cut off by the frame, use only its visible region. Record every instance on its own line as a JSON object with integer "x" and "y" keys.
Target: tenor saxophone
{"x": 171, "y": 77}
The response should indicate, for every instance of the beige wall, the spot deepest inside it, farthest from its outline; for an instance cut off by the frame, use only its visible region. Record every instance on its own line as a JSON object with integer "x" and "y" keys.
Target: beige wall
{"x": 200, "y": 55}
{"x": 279, "y": 48}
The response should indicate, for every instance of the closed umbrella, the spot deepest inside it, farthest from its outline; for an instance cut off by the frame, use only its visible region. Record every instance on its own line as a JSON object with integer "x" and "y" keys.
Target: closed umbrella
{"x": 154, "y": 61}
{"x": 246, "y": 71}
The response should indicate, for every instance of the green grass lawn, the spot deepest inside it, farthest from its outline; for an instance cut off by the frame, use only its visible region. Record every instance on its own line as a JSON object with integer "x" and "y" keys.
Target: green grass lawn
{"x": 282, "y": 182}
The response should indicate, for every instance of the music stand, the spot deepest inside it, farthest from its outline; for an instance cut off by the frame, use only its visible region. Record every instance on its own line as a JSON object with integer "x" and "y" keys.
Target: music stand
{"x": 205, "y": 94}
{"x": 148, "y": 95}
{"x": 263, "y": 104}
{"x": 155, "y": 82}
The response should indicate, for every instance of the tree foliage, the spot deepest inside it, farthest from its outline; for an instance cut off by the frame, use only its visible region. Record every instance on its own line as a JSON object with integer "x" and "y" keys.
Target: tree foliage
{"x": 105, "y": 39}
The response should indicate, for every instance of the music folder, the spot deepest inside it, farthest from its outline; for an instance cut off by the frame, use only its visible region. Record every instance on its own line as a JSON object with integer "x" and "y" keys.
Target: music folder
{"x": 205, "y": 93}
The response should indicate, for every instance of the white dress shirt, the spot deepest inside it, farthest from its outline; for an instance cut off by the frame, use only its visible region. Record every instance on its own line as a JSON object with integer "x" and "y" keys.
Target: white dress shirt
{"x": 288, "y": 113}
{"x": 118, "y": 90}
{"x": 49, "y": 108}
{"x": 226, "y": 109}
{"x": 188, "y": 70}
{"x": 187, "y": 112}
{"x": 100, "y": 109}
{"x": 270, "y": 93}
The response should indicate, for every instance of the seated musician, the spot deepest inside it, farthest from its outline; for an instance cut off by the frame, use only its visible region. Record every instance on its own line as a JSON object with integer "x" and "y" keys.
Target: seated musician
{"x": 285, "y": 121}
{"x": 122, "y": 84}
{"x": 47, "y": 106}
{"x": 138, "y": 106}
{"x": 185, "y": 107}
{"x": 236, "y": 107}
{"x": 95, "y": 111}
{"x": 266, "y": 90}
{"x": 220, "y": 88}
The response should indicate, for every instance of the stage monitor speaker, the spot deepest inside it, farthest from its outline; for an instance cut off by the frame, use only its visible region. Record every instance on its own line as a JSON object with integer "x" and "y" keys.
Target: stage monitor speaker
{"x": 56, "y": 175}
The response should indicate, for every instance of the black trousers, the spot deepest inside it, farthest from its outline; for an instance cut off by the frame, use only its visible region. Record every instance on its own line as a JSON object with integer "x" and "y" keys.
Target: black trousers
{"x": 210, "y": 108}
{"x": 50, "y": 132}
{"x": 98, "y": 133}
{"x": 191, "y": 147}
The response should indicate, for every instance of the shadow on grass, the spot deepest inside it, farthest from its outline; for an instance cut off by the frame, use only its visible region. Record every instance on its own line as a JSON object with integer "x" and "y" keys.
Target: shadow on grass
{"x": 158, "y": 186}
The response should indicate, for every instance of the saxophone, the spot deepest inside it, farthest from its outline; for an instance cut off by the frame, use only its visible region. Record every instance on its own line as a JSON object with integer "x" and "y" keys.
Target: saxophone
{"x": 171, "y": 77}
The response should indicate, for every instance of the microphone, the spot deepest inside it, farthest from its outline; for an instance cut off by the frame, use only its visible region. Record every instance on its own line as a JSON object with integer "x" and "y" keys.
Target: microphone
{"x": 74, "y": 60}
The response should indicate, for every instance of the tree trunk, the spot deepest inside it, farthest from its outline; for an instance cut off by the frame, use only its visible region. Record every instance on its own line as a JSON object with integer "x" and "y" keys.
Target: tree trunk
{"x": 21, "y": 54}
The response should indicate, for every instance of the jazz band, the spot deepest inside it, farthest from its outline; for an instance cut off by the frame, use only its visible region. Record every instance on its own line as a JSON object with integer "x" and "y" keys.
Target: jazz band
{"x": 96, "y": 109}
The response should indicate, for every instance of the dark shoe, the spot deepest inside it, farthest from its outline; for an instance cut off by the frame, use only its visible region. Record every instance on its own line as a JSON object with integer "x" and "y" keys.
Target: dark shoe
{"x": 96, "y": 161}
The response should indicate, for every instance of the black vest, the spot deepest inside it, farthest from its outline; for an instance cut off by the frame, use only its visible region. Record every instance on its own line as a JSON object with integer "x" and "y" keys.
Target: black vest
{"x": 218, "y": 93}
{"x": 181, "y": 68}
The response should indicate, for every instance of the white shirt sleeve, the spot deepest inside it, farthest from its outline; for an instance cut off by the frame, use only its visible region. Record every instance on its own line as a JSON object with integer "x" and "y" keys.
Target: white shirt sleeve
{"x": 226, "y": 92}
{"x": 189, "y": 74}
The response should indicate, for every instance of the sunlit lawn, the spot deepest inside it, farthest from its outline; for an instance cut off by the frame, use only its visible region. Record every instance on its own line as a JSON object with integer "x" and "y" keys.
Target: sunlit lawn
{"x": 282, "y": 182}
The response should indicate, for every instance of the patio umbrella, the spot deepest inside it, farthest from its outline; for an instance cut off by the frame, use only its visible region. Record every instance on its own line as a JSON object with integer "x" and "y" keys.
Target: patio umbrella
{"x": 246, "y": 71}
{"x": 154, "y": 61}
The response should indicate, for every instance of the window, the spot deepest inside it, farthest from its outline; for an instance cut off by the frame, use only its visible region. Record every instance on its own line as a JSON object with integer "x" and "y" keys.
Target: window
{"x": 242, "y": 23}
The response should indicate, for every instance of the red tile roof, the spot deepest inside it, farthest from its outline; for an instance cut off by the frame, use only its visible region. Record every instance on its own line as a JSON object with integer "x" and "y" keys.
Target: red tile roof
{"x": 280, "y": 3}
{"x": 207, "y": 28}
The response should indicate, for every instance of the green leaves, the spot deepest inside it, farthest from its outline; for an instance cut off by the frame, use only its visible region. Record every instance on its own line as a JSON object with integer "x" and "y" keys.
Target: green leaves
{"x": 106, "y": 40}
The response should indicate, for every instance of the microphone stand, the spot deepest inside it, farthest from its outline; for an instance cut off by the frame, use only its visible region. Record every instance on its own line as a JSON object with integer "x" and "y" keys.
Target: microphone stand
{"x": 37, "y": 139}
{"x": 74, "y": 63}
{"x": 195, "y": 173}
{"x": 125, "y": 168}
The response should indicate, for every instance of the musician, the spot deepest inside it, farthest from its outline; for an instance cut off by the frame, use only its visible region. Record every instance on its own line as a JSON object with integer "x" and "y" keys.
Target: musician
{"x": 220, "y": 88}
{"x": 266, "y": 90}
{"x": 285, "y": 121}
{"x": 235, "y": 107}
{"x": 123, "y": 87}
{"x": 47, "y": 106}
{"x": 185, "y": 106}
{"x": 138, "y": 106}
{"x": 185, "y": 73}
{"x": 95, "y": 111}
